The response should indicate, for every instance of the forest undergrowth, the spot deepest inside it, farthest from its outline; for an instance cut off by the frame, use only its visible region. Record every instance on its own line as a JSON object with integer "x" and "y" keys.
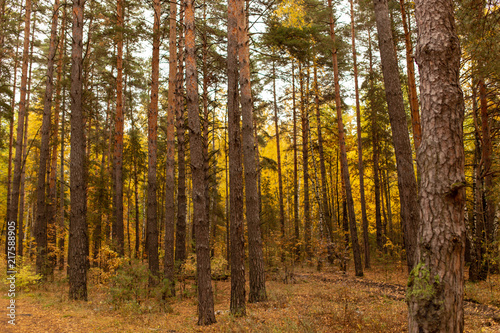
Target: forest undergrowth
{"x": 312, "y": 301}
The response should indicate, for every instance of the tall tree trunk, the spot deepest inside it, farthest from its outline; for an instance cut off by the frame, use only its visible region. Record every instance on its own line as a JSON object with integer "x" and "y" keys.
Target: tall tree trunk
{"x": 78, "y": 239}
{"x": 400, "y": 135}
{"x": 278, "y": 154}
{"x": 343, "y": 154}
{"x": 376, "y": 181}
{"x": 305, "y": 161}
{"x": 180, "y": 237}
{"x": 13, "y": 209}
{"x": 25, "y": 151}
{"x": 238, "y": 306}
{"x": 256, "y": 256}
{"x": 324, "y": 181}
{"x": 117, "y": 229}
{"x": 169, "y": 266}
{"x": 44, "y": 204}
{"x": 366, "y": 244}
{"x": 206, "y": 315}
{"x": 62, "y": 236}
{"x": 412, "y": 87}
{"x": 437, "y": 306}
{"x": 295, "y": 170}
{"x": 152, "y": 204}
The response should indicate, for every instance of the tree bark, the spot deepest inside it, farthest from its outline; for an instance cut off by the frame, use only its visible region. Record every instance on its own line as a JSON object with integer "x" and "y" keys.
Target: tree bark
{"x": 343, "y": 155}
{"x": 117, "y": 228}
{"x": 256, "y": 256}
{"x": 295, "y": 170}
{"x": 44, "y": 204}
{"x": 364, "y": 219}
{"x": 78, "y": 240}
{"x": 400, "y": 135}
{"x": 180, "y": 237}
{"x": 436, "y": 286}
{"x": 206, "y": 315}
{"x": 169, "y": 265}
{"x": 238, "y": 306}
{"x": 152, "y": 204}
{"x": 13, "y": 210}
{"x": 412, "y": 87}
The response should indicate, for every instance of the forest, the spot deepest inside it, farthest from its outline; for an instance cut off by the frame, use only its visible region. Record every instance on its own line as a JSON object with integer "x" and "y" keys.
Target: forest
{"x": 250, "y": 166}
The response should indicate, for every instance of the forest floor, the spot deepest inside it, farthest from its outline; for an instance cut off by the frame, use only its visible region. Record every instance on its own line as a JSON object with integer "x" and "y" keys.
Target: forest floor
{"x": 325, "y": 301}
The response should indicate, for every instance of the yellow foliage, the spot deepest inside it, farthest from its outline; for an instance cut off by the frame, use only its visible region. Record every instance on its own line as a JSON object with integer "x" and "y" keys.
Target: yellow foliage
{"x": 292, "y": 13}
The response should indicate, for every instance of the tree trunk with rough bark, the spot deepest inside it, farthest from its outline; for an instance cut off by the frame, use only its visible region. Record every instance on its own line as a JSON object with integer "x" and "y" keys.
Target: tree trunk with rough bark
{"x": 238, "y": 306}
{"x": 256, "y": 256}
{"x": 152, "y": 204}
{"x": 78, "y": 239}
{"x": 400, "y": 135}
{"x": 436, "y": 285}
{"x": 44, "y": 215}
{"x": 206, "y": 315}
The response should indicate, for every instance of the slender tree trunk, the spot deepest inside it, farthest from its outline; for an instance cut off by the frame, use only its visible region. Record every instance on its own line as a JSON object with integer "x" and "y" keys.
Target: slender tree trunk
{"x": 180, "y": 238}
{"x": 376, "y": 181}
{"x": 238, "y": 306}
{"x": 152, "y": 204}
{"x": 13, "y": 209}
{"x": 25, "y": 151}
{"x": 169, "y": 267}
{"x": 295, "y": 170}
{"x": 400, "y": 136}
{"x": 278, "y": 154}
{"x": 366, "y": 244}
{"x": 62, "y": 235}
{"x": 206, "y": 315}
{"x": 412, "y": 87}
{"x": 256, "y": 256}
{"x": 343, "y": 155}
{"x": 44, "y": 204}
{"x": 78, "y": 239}
{"x": 117, "y": 228}
{"x": 305, "y": 162}
{"x": 437, "y": 306}
{"x": 324, "y": 181}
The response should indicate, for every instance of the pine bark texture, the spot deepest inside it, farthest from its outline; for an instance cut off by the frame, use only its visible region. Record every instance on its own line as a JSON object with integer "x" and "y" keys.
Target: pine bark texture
{"x": 436, "y": 286}
{"x": 118, "y": 233}
{"x": 44, "y": 207}
{"x": 278, "y": 157}
{"x": 78, "y": 239}
{"x": 400, "y": 136}
{"x": 152, "y": 204}
{"x": 206, "y": 315}
{"x": 256, "y": 256}
{"x": 237, "y": 306}
{"x": 169, "y": 266}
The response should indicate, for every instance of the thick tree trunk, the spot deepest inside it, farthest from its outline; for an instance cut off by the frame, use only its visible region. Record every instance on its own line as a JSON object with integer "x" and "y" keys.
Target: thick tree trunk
{"x": 169, "y": 264}
{"x": 152, "y": 204}
{"x": 343, "y": 155}
{"x": 256, "y": 256}
{"x": 366, "y": 244}
{"x": 400, "y": 135}
{"x": 44, "y": 215}
{"x": 412, "y": 87}
{"x": 78, "y": 239}
{"x": 238, "y": 306}
{"x": 436, "y": 285}
{"x": 206, "y": 315}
